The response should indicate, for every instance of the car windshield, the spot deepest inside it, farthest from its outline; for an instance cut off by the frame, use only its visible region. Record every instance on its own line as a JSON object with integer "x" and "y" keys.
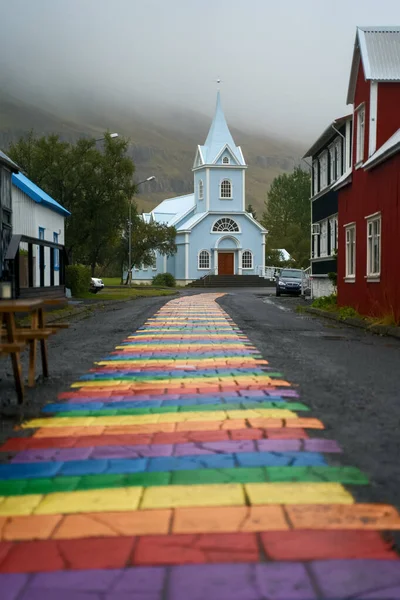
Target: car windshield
{"x": 291, "y": 273}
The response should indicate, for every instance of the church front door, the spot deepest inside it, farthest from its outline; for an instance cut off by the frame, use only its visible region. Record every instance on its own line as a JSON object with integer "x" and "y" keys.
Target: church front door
{"x": 225, "y": 263}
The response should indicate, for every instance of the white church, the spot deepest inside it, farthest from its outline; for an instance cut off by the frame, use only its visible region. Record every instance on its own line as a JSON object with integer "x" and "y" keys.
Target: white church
{"x": 215, "y": 235}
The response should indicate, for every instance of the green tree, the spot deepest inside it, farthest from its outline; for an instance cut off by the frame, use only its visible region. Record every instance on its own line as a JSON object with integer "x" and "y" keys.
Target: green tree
{"x": 287, "y": 215}
{"x": 94, "y": 184}
{"x": 146, "y": 239}
{"x": 251, "y": 210}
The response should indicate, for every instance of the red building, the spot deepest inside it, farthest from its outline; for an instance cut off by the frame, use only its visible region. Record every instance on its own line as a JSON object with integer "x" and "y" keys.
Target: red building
{"x": 369, "y": 194}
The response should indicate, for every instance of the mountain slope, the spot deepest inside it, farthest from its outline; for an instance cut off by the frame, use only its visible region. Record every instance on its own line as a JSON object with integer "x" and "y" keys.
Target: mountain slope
{"x": 163, "y": 143}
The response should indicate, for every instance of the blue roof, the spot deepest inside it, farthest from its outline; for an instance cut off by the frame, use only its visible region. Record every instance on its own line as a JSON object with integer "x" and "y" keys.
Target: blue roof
{"x": 37, "y": 194}
{"x": 219, "y": 137}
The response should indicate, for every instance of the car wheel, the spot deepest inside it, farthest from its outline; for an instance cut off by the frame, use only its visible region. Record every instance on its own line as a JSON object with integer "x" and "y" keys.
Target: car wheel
{"x": 277, "y": 293}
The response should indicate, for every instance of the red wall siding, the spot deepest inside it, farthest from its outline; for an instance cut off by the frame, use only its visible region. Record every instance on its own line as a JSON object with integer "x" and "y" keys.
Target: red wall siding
{"x": 388, "y": 121}
{"x": 370, "y": 192}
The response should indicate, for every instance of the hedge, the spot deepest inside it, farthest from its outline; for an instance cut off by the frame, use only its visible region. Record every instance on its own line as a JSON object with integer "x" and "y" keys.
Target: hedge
{"x": 77, "y": 279}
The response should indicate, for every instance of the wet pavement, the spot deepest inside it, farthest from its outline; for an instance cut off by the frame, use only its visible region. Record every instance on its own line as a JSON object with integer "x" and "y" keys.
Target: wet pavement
{"x": 184, "y": 465}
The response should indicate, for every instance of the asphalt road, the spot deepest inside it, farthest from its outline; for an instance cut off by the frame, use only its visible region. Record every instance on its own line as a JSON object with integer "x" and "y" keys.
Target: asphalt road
{"x": 348, "y": 377}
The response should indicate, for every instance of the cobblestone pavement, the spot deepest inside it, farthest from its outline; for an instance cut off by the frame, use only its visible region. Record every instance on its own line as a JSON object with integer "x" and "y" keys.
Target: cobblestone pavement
{"x": 184, "y": 467}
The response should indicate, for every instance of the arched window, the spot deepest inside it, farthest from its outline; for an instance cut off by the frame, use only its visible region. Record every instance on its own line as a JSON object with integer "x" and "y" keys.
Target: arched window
{"x": 204, "y": 259}
{"x": 247, "y": 260}
{"x": 154, "y": 263}
{"x": 225, "y": 189}
{"x": 225, "y": 160}
{"x": 201, "y": 189}
{"x": 225, "y": 224}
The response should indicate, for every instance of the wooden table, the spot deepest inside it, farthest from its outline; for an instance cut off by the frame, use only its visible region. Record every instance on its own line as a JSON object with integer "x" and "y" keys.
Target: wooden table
{"x": 8, "y": 310}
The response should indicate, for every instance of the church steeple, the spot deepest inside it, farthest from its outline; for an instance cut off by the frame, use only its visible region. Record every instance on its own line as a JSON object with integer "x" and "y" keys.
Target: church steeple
{"x": 219, "y": 138}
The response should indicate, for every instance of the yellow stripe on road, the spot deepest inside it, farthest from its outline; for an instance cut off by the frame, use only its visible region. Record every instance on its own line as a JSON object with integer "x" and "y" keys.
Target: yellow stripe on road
{"x": 137, "y": 498}
{"x": 217, "y": 415}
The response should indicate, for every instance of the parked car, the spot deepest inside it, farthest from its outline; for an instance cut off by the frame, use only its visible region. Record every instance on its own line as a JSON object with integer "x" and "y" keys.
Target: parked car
{"x": 289, "y": 282}
{"x": 96, "y": 285}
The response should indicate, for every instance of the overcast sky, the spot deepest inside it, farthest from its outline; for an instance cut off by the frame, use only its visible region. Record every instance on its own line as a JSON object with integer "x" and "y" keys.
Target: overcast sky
{"x": 284, "y": 64}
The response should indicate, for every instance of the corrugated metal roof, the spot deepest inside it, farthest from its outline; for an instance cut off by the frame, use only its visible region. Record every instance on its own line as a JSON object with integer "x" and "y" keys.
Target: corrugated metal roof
{"x": 327, "y": 135}
{"x": 37, "y": 194}
{"x": 379, "y": 50}
{"x": 8, "y": 162}
{"x": 392, "y": 146}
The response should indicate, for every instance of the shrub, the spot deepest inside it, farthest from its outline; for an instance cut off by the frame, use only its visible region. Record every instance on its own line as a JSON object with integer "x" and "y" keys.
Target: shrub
{"x": 333, "y": 278}
{"x": 325, "y": 302}
{"x": 164, "y": 280}
{"x": 77, "y": 279}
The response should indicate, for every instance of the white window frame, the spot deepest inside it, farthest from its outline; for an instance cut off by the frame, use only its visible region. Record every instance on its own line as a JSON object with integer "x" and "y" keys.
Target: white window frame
{"x": 245, "y": 254}
{"x": 154, "y": 265}
{"x": 226, "y": 161}
{"x": 374, "y": 222}
{"x": 315, "y": 253}
{"x": 338, "y": 158}
{"x": 360, "y": 140}
{"x": 332, "y": 163}
{"x": 225, "y": 230}
{"x": 199, "y": 257}
{"x": 333, "y": 234}
{"x": 323, "y": 246}
{"x": 315, "y": 177}
{"x": 323, "y": 163}
{"x": 222, "y": 182}
{"x": 201, "y": 189}
{"x": 350, "y": 252}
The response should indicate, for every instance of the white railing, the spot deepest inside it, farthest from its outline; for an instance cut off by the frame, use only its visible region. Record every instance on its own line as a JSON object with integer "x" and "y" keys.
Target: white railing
{"x": 267, "y": 272}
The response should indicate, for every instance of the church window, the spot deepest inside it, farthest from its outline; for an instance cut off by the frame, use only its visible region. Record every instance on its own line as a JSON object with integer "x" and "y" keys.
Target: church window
{"x": 226, "y": 160}
{"x": 225, "y": 189}
{"x": 225, "y": 224}
{"x": 154, "y": 261}
{"x": 201, "y": 189}
{"x": 247, "y": 260}
{"x": 204, "y": 259}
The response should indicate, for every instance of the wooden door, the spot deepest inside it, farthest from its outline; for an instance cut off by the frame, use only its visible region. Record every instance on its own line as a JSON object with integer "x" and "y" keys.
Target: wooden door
{"x": 225, "y": 263}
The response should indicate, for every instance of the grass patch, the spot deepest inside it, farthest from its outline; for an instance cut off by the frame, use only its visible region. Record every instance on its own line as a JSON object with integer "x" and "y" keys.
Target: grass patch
{"x": 326, "y": 303}
{"x": 111, "y": 280}
{"x": 126, "y": 293}
{"x": 329, "y": 303}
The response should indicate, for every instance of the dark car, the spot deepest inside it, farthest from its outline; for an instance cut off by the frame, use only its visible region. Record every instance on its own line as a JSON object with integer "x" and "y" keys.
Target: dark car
{"x": 289, "y": 282}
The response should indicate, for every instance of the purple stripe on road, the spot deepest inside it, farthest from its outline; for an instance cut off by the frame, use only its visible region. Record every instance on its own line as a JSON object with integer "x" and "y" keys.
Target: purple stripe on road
{"x": 361, "y": 579}
{"x": 187, "y": 449}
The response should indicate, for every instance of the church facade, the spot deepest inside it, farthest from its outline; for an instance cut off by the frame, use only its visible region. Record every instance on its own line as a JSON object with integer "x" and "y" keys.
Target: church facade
{"x": 215, "y": 234}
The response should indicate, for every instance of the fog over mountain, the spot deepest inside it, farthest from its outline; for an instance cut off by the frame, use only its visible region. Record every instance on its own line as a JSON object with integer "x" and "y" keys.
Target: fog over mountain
{"x": 284, "y": 65}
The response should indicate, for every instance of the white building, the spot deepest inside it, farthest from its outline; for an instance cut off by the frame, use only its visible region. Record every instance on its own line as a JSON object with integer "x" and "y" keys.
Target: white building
{"x": 36, "y": 215}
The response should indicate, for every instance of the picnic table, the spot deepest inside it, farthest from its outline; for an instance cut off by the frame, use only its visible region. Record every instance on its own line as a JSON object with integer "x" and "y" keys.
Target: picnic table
{"x": 14, "y": 338}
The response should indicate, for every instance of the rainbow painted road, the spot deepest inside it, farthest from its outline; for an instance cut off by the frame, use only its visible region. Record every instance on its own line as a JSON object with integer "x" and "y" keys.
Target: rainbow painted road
{"x": 184, "y": 467}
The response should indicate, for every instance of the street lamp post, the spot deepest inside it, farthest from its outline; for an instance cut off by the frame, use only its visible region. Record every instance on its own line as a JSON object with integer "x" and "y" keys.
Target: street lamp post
{"x": 151, "y": 178}
{"x": 112, "y": 135}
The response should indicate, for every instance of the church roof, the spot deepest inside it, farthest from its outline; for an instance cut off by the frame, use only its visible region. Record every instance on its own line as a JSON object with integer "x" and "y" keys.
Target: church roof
{"x": 219, "y": 137}
{"x": 172, "y": 210}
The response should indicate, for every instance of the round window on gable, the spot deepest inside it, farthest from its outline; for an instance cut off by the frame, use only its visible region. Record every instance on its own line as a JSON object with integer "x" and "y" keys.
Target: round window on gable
{"x": 226, "y": 160}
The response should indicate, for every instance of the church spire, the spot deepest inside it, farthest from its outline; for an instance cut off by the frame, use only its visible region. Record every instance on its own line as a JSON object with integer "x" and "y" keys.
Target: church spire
{"x": 219, "y": 137}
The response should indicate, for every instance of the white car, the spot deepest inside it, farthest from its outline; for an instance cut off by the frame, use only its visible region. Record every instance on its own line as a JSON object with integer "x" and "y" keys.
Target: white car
{"x": 96, "y": 285}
